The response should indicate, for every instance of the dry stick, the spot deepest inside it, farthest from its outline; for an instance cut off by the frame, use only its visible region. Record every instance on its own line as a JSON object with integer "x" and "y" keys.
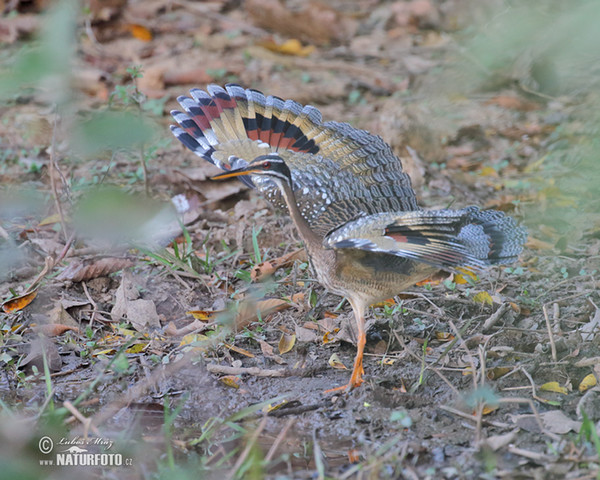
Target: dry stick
{"x": 429, "y": 367}
{"x": 49, "y": 264}
{"x": 550, "y": 334}
{"x": 249, "y": 445}
{"x": 257, "y": 372}
{"x": 469, "y": 354}
{"x": 495, "y": 317}
{"x": 94, "y": 305}
{"x": 54, "y": 166}
{"x": 279, "y": 439}
{"x": 538, "y": 457}
{"x": 87, "y": 422}
{"x": 470, "y": 417}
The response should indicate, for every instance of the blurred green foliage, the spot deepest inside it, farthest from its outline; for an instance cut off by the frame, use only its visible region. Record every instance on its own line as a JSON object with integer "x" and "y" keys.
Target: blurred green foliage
{"x": 549, "y": 50}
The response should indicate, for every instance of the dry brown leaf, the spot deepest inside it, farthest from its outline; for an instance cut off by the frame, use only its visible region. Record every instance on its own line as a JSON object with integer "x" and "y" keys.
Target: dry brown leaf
{"x": 88, "y": 269}
{"x": 239, "y": 350}
{"x": 18, "y": 303}
{"x": 304, "y": 334}
{"x": 269, "y": 352}
{"x": 262, "y": 270}
{"x": 54, "y": 329}
{"x": 140, "y": 312}
{"x": 286, "y": 343}
{"x": 313, "y": 22}
{"x": 39, "y": 346}
{"x": 250, "y": 311}
{"x": 557, "y": 422}
{"x": 140, "y": 32}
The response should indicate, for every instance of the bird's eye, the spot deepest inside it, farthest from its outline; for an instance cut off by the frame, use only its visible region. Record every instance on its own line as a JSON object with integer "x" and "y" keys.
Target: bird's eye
{"x": 266, "y": 165}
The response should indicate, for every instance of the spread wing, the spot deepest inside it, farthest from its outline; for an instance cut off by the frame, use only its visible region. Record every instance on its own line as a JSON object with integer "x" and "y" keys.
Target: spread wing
{"x": 339, "y": 173}
{"x": 442, "y": 238}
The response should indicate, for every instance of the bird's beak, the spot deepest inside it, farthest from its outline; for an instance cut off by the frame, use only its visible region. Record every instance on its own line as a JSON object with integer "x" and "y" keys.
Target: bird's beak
{"x": 236, "y": 173}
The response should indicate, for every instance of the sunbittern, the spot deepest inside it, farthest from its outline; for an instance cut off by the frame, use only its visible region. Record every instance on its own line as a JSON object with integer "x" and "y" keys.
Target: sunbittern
{"x": 352, "y": 204}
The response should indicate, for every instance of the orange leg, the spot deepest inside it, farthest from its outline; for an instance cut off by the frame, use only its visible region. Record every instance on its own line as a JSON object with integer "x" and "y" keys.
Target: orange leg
{"x": 357, "y": 372}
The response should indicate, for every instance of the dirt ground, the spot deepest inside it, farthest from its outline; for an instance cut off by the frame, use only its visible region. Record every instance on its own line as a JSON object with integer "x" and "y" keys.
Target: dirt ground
{"x": 198, "y": 342}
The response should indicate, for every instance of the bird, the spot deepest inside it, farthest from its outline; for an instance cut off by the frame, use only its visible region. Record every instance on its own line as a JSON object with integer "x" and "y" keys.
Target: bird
{"x": 345, "y": 190}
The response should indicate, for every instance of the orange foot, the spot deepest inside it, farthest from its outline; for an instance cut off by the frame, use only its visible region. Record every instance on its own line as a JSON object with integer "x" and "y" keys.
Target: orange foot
{"x": 356, "y": 378}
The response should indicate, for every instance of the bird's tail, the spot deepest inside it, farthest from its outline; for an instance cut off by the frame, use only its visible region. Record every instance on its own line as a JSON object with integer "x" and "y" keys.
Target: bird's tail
{"x": 446, "y": 239}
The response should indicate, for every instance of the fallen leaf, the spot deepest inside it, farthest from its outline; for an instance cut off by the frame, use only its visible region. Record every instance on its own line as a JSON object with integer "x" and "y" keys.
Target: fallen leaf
{"x": 353, "y": 455}
{"x": 487, "y": 409}
{"x": 54, "y": 329}
{"x": 250, "y": 311}
{"x": 140, "y": 32}
{"x": 313, "y": 21}
{"x": 497, "y": 372}
{"x": 466, "y": 276}
{"x": 87, "y": 269}
{"x": 484, "y": 298}
{"x": 291, "y": 46}
{"x": 286, "y": 343}
{"x": 239, "y": 350}
{"x": 38, "y": 348}
{"x": 142, "y": 315}
{"x": 588, "y": 382}
{"x": 269, "y": 352}
{"x": 335, "y": 362}
{"x": 231, "y": 381}
{"x": 203, "y": 315}
{"x": 191, "y": 338}
{"x": 18, "y": 303}
{"x": 50, "y": 220}
{"x": 137, "y": 348}
{"x": 304, "y": 334}
{"x": 557, "y": 422}
{"x": 444, "y": 336}
{"x": 554, "y": 387}
{"x": 266, "y": 269}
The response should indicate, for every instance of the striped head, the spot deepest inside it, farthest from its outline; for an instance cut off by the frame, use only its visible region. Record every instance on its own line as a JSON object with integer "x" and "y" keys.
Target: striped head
{"x": 270, "y": 165}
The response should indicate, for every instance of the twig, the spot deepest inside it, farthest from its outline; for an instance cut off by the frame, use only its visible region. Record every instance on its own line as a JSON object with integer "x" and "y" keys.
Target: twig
{"x": 431, "y": 367}
{"x": 53, "y": 167}
{"x": 49, "y": 264}
{"x": 87, "y": 422}
{"x": 94, "y": 305}
{"x": 468, "y": 352}
{"x": 279, "y": 439}
{"x": 538, "y": 457}
{"x": 550, "y": 334}
{"x": 472, "y": 418}
{"x": 257, "y": 372}
{"x": 495, "y": 317}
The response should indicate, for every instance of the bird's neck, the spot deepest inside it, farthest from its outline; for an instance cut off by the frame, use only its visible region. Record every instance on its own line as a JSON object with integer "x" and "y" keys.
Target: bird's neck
{"x": 310, "y": 238}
